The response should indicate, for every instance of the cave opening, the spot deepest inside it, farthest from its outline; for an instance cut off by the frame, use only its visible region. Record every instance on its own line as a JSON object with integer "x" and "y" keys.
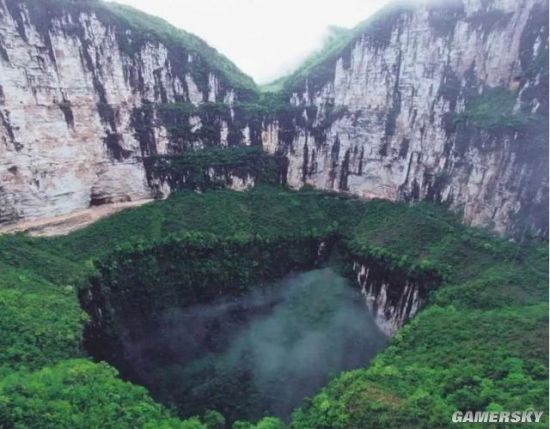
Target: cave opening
{"x": 248, "y": 330}
{"x": 258, "y": 354}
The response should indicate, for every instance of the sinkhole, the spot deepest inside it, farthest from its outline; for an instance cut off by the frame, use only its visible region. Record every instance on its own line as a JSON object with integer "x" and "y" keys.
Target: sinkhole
{"x": 248, "y": 331}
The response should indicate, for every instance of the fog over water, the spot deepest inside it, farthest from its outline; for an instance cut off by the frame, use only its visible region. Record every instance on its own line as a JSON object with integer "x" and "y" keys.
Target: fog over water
{"x": 258, "y": 354}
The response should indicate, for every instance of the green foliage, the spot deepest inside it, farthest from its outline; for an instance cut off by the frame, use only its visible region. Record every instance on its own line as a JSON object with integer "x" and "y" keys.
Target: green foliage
{"x": 135, "y": 28}
{"x": 80, "y": 394}
{"x": 147, "y": 27}
{"x": 277, "y": 104}
{"x": 41, "y": 322}
{"x": 444, "y": 360}
{"x": 159, "y": 30}
{"x": 269, "y": 423}
{"x": 336, "y": 40}
{"x": 213, "y": 420}
{"x": 190, "y": 126}
{"x": 493, "y": 110}
{"x": 175, "y": 117}
{"x": 479, "y": 343}
{"x": 38, "y": 328}
{"x": 265, "y": 423}
{"x": 319, "y": 67}
{"x": 488, "y": 20}
{"x": 188, "y": 269}
{"x": 193, "y": 169}
{"x": 443, "y": 17}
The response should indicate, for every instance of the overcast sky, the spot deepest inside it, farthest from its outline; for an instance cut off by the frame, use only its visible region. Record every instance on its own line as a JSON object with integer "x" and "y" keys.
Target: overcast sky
{"x": 264, "y": 38}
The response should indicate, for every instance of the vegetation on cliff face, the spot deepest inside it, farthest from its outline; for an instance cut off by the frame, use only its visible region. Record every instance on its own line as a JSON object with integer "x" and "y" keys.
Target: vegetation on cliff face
{"x": 493, "y": 110}
{"x": 319, "y": 67}
{"x": 216, "y": 167}
{"x": 478, "y": 345}
{"x": 191, "y": 127}
{"x": 149, "y": 28}
{"x": 134, "y": 29}
{"x": 481, "y": 122}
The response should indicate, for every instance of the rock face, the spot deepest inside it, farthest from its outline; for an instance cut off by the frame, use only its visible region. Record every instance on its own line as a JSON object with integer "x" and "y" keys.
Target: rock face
{"x": 392, "y": 297}
{"x": 74, "y": 80}
{"x": 445, "y": 102}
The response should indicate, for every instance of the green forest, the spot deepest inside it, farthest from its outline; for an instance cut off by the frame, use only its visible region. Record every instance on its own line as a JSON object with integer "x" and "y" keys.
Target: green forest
{"x": 479, "y": 343}
{"x": 69, "y": 302}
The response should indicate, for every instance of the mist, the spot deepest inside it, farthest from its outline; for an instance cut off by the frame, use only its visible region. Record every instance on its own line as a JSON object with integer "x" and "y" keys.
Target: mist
{"x": 265, "y": 38}
{"x": 260, "y": 354}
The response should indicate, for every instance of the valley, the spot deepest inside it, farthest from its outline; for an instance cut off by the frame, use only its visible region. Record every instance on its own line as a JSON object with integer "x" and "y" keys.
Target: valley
{"x": 360, "y": 244}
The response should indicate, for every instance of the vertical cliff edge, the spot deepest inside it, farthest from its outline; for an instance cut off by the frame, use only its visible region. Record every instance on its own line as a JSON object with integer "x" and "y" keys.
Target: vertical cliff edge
{"x": 89, "y": 91}
{"x": 444, "y": 101}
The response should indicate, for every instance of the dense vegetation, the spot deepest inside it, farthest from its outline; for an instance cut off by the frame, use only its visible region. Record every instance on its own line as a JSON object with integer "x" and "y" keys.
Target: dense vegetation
{"x": 189, "y": 126}
{"x": 156, "y": 29}
{"x": 480, "y": 344}
{"x": 493, "y": 110}
{"x": 218, "y": 167}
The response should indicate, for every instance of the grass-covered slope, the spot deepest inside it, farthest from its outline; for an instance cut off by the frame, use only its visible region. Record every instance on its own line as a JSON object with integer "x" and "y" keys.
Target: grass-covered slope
{"x": 479, "y": 344}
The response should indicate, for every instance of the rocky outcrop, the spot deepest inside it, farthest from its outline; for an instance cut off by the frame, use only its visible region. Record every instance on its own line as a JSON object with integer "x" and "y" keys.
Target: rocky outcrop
{"x": 446, "y": 102}
{"x": 391, "y": 296}
{"x": 75, "y": 78}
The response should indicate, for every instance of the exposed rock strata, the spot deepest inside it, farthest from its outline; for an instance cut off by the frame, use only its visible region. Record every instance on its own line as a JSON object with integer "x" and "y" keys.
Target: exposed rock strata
{"x": 71, "y": 81}
{"x": 383, "y": 118}
{"x": 392, "y": 298}
{"x": 406, "y": 111}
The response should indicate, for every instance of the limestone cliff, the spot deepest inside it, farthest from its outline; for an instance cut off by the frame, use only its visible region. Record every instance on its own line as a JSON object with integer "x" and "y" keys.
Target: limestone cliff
{"x": 392, "y": 296}
{"x": 446, "y": 101}
{"x": 88, "y": 90}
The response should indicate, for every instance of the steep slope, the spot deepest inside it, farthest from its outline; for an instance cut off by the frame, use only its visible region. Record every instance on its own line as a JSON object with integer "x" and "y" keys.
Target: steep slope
{"x": 445, "y": 101}
{"x": 88, "y": 89}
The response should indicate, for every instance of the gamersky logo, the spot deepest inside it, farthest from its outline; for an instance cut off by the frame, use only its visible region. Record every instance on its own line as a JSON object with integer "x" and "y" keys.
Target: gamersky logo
{"x": 497, "y": 416}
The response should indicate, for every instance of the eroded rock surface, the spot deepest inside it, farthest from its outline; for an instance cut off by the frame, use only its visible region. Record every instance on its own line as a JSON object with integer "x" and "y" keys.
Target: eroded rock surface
{"x": 410, "y": 110}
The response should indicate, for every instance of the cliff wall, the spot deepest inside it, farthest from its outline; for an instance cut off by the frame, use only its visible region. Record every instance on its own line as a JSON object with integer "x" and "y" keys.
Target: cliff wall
{"x": 88, "y": 91}
{"x": 447, "y": 101}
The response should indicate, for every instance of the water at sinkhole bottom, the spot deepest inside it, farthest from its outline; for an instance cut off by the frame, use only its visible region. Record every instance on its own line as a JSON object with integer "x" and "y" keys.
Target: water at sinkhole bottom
{"x": 260, "y": 354}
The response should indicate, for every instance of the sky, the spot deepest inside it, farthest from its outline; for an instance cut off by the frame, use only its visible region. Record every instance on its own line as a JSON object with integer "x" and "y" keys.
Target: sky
{"x": 265, "y": 38}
